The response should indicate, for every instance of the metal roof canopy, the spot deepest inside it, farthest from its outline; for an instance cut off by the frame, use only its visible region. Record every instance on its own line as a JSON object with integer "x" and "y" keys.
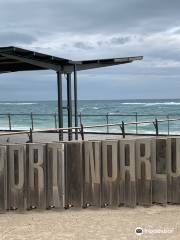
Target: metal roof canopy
{"x": 13, "y": 59}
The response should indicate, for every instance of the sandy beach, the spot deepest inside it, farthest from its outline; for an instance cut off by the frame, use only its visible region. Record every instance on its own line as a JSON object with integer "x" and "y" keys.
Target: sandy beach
{"x": 49, "y": 137}
{"x": 157, "y": 222}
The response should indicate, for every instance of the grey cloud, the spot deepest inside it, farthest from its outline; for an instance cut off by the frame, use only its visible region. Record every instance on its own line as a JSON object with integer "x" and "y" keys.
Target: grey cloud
{"x": 9, "y": 38}
{"x": 90, "y": 15}
{"x": 112, "y": 41}
{"x": 83, "y": 46}
{"x": 35, "y": 24}
{"x": 120, "y": 40}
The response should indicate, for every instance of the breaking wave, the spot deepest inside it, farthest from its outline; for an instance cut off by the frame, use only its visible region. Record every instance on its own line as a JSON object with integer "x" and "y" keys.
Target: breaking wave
{"x": 151, "y": 104}
{"x": 17, "y": 103}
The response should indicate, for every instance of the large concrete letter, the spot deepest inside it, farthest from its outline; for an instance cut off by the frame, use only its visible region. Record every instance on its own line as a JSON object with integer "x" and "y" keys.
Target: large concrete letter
{"x": 3, "y": 178}
{"x": 36, "y": 175}
{"x": 55, "y": 175}
{"x": 110, "y": 173}
{"x": 92, "y": 170}
{"x": 159, "y": 169}
{"x": 173, "y": 170}
{"x": 143, "y": 171}
{"x": 16, "y": 177}
{"x": 127, "y": 173}
{"x": 73, "y": 174}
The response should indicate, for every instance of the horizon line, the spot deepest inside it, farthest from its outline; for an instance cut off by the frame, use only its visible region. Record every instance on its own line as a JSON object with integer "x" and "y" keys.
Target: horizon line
{"x": 128, "y": 99}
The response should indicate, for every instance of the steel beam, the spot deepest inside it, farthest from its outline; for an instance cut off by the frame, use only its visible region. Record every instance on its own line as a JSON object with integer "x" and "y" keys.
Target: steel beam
{"x": 41, "y": 63}
{"x": 69, "y": 105}
{"x": 60, "y": 104}
{"x": 98, "y": 63}
{"x": 75, "y": 103}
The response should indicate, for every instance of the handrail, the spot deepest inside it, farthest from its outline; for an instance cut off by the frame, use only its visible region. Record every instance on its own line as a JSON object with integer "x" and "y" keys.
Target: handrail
{"x": 92, "y": 115}
{"x": 107, "y": 117}
{"x": 87, "y": 127}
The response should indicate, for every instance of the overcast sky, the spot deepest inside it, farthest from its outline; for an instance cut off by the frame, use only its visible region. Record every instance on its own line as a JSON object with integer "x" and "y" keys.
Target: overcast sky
{"x": 85, "y": 29}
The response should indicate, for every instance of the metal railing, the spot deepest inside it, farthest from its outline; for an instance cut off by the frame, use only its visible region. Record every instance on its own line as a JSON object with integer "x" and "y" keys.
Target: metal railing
{"x": 107, "y": 118}
{"x": 82, "y": 132}
{"x": 31, "y": 117}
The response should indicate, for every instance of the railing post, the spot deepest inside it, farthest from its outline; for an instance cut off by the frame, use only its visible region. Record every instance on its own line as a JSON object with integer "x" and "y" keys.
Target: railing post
{"x": 60, "y": 104}
{"x": 136, "y": 123}
{"x": 82, "y": 131}
{"x": 75, "y": 103}
{"x": 107, "y": 122}
{"x": 122, "y": 126}
{"x": 55, "y": 120}
{"x": 30, "y": 135}
{"x": 32, "y": 121}
{"x": 156, "y": 126}
{"x": 80, "y": 118}
{"x": 168, "y": 124}
{"x": 9, "y": 119}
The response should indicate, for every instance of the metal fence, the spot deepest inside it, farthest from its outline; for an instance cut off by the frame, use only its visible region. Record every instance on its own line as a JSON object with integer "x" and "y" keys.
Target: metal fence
{"x": 50, "y": 120}
{"x": 82, "y": 129}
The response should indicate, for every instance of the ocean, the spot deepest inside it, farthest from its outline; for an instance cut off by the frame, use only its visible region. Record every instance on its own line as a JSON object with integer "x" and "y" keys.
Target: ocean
{"x": 157, "y": 108}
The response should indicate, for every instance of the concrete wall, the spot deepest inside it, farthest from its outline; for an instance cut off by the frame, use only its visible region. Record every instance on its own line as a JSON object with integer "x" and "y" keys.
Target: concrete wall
{"x": 112, "y": 173}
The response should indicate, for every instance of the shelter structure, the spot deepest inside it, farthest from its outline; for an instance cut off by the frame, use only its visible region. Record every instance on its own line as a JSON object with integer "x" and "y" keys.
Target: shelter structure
{"x": 13, "y": 59}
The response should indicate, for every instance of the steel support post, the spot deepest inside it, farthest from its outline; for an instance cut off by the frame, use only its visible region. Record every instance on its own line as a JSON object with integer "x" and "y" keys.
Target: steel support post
{"x": 69, "y": 105}
{"x": 60, "y": 104}
{"x": 75, "y": 103}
